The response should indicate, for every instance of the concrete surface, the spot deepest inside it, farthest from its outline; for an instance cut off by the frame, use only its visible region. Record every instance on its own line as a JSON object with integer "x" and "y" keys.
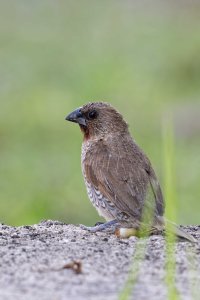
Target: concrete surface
{"x": 36, "y": 263}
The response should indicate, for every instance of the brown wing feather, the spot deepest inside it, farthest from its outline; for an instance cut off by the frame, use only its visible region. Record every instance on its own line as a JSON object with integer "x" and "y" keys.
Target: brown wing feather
{"x": 122, "y": 173}
{"x": 156, "y": 189}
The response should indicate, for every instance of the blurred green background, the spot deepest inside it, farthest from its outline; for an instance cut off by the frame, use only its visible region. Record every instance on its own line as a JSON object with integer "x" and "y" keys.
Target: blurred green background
{"x": 141, "y": 56}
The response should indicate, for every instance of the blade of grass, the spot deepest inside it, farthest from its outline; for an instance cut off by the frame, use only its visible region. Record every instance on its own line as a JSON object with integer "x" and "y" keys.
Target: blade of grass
{"x": 138, "y": 257}
{"x": 134, "y": 270}
{"x": 193, "y": 268}
{"x": 170, "y": 199}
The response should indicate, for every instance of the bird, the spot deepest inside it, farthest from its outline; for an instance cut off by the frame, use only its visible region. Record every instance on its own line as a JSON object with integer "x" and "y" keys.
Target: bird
{"x": 120, "y": 180}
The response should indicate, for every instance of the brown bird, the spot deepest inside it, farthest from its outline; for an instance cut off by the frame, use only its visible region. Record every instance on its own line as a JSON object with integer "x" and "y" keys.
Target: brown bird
{"x": 119, "y": 178}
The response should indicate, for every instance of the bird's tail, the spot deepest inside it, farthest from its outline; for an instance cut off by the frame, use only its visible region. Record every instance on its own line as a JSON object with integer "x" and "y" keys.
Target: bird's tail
{"x": 179, "y": 231}
{"x": 159, "y": 226}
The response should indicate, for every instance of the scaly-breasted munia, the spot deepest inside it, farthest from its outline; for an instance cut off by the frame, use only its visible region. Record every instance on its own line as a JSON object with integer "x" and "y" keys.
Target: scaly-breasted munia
{"x": 119, "y": 178}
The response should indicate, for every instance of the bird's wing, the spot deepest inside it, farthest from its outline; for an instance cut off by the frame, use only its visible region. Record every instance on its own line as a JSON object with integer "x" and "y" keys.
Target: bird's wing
{"x": 156, "y": 189}
{"x": 122, "y": 177}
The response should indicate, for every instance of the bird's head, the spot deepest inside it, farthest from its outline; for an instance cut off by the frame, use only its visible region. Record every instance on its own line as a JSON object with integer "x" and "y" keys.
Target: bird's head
{"x": 98, "y": 119}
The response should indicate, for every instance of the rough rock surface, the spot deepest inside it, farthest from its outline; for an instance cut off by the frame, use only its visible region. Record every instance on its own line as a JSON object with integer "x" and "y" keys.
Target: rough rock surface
{"x": 34, "y": 261}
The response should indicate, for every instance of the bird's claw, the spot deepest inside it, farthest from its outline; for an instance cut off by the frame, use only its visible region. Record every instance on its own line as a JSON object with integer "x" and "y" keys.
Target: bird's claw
{"x": 106, "y": 227}
{"x": 88, "y": 228}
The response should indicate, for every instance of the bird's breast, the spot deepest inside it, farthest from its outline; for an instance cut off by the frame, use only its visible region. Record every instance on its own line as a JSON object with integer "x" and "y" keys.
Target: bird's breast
{"x": 105, "y": 208}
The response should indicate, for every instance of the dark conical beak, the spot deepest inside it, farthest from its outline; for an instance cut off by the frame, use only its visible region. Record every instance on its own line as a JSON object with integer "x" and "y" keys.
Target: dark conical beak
{"x": 77, "y": 117}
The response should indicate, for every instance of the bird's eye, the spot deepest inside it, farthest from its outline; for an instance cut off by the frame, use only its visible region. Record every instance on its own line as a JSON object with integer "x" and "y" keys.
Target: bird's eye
{"x": 92, "y": 114}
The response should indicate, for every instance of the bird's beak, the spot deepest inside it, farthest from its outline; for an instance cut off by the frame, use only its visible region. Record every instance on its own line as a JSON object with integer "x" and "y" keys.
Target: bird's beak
{"x": 77, "y": 117}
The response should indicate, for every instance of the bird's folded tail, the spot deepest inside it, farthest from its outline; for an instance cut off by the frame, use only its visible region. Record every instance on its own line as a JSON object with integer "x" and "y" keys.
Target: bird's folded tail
{"x": 179, "y": 231}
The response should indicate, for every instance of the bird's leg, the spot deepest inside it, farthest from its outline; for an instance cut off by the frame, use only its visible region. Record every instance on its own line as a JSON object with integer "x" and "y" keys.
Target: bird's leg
{"x": 98, "y": 223}
{"x": 110, "y": 226}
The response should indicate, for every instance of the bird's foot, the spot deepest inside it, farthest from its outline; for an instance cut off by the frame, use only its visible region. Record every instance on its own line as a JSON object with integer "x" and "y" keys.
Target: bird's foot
{"x": 110, "y": 227}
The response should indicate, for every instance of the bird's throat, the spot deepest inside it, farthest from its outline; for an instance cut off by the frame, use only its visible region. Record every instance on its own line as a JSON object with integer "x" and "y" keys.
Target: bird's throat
{"x": 85, "y": 131}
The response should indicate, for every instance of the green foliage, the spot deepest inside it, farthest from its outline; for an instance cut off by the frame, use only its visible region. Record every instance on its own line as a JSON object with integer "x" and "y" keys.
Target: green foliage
{"x": 58, "y": 55}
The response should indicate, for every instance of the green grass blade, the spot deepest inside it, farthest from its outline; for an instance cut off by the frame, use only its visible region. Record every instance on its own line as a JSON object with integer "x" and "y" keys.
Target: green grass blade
{"x": 170, "y": 213}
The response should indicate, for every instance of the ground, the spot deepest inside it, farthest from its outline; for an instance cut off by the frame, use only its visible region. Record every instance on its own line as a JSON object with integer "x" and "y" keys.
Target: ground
{"x": 56, "y": 261}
